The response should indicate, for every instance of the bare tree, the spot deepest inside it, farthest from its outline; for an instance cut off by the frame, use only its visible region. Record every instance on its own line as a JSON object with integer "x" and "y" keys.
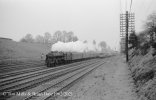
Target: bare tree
{"x": 102, "y": 45}
{"x": 94, "y": 42}
{"x": 57, "y": 36}
{"x": 39, "y": 39}
{"x": 47, "y": 37}
{"x": 64, "y": 36}
{"x": 148, "y": 35}
{"x": 75, "y": 38}
{"x": 69, "y": 36}
{"x": 151, "y": 21}
{"x": 27, "y": 38}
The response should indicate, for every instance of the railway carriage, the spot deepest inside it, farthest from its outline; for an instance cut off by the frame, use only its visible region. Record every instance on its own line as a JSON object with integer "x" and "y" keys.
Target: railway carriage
{"x": 67, "y": 57}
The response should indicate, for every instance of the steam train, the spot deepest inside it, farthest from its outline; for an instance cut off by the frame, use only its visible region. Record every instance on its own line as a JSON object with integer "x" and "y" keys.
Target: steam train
{"x": 54, "y": 58}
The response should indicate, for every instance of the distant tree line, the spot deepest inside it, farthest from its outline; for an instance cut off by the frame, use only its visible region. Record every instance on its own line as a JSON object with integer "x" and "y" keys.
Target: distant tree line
{"x": 47, "y": 38}
{"x": 62, "y": 36}
{"x": 146, "y": 39}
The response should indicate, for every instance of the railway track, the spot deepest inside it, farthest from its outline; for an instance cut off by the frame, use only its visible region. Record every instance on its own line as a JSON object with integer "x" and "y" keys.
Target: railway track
{"x": 15, "y": 79}
{"x": 33, "y": 79}
{"x": 59, "y": 82}
{"x": 66, "y": 84}
{"x": 19, "y": 72}
{"x": 29, "y": 70}
{"x": 16, "y": 63}
{"x": 29, "y": 80}
{"x": 20, "y": 67}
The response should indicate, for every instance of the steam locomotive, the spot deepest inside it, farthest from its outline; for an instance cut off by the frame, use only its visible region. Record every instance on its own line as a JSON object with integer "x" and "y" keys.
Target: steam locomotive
{"x": 54, "y": 58}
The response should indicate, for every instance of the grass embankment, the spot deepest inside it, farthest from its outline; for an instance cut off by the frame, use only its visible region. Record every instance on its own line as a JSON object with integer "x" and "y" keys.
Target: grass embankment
{"x": 143, "y": 68}
{"x": 11, "y": 50}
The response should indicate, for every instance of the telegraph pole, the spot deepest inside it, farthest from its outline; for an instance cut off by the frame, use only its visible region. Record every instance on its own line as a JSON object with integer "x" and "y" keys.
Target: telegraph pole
{"x": 127, "y": 26}
{"x": 126, "y": 39}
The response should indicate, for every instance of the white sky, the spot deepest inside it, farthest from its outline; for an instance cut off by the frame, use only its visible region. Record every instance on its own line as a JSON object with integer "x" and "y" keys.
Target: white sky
{"x": 88, "y": 19}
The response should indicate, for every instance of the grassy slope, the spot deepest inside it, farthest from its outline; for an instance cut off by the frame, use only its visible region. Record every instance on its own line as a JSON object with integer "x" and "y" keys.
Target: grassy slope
{"x": 17, "y": 50}
{"x": 143, "y": 70}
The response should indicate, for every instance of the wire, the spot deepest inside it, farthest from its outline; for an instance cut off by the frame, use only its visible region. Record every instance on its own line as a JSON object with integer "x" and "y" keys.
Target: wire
{"x": 126, "y": 5}
{"x": 130, "y": 6}
{"x": 120, "y": 7}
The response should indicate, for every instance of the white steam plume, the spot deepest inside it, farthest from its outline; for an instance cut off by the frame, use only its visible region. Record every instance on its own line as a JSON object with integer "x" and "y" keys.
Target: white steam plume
{"x": 77, "y": 46}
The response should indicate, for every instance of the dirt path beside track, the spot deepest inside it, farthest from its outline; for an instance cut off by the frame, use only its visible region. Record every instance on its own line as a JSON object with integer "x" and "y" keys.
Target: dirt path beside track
{"x": 109, "y": 82}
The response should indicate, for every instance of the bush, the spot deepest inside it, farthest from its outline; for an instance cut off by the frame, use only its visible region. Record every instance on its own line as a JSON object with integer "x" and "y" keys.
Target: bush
{"x": 144, "y": 48}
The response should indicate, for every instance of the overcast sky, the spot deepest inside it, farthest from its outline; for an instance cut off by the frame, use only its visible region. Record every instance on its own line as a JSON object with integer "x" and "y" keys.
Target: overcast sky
{"x": 88, "y": 19}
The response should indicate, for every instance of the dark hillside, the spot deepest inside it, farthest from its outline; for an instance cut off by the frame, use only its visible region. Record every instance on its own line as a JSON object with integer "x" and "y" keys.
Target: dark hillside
{"x": 19, "y": 50}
